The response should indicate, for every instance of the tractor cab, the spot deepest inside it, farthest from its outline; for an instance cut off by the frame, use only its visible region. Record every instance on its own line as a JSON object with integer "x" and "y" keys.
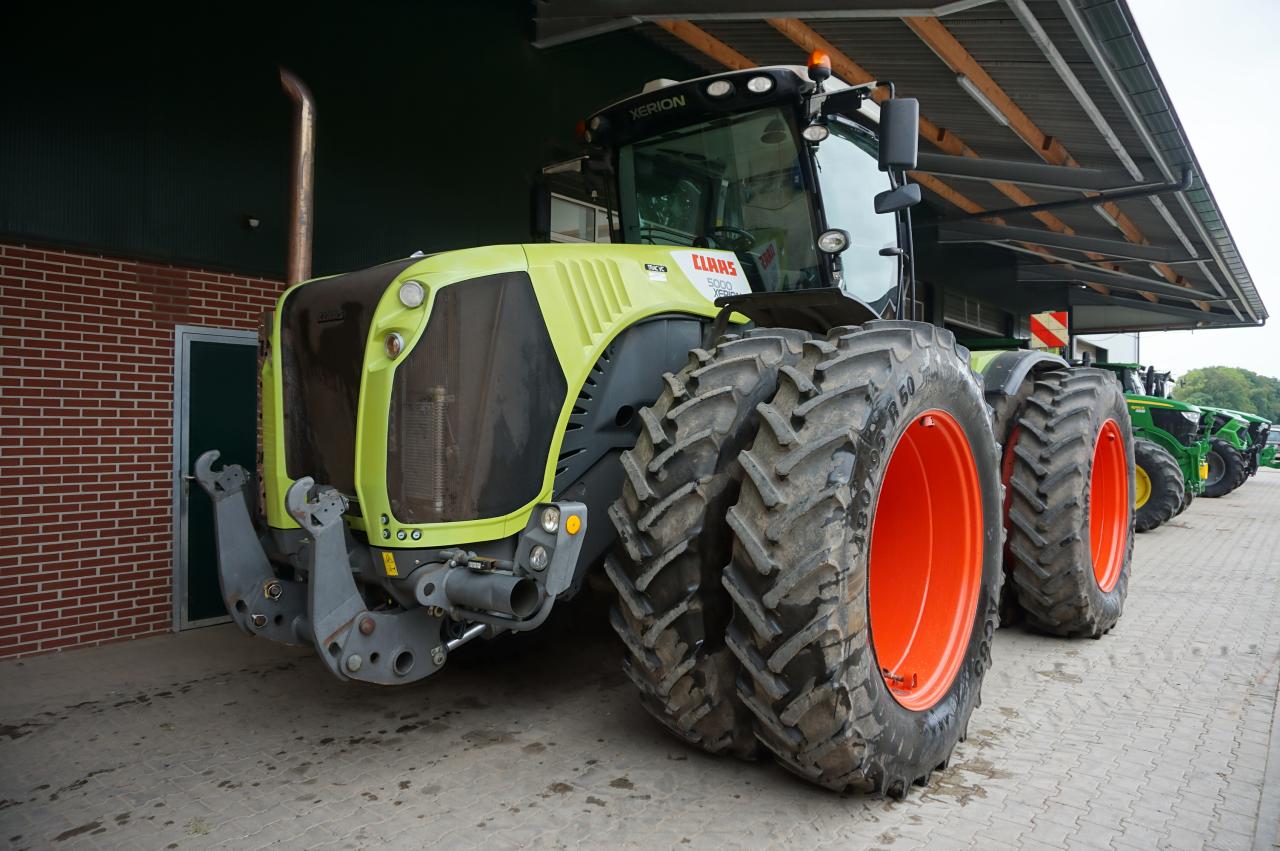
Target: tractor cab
{"x": 782, "y": 167}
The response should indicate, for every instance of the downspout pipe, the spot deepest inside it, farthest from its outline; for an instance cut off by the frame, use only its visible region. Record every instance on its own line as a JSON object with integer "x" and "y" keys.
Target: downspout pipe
{"x": 302, "y": 186}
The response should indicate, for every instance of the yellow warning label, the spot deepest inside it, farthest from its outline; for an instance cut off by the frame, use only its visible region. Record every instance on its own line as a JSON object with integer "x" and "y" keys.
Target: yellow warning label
{"x": 389, "y": 562}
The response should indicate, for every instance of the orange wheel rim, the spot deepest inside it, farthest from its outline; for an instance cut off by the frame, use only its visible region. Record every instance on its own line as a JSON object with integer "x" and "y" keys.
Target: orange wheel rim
{"x": 925, "y": 563}
{"x": 1109, "y": 506}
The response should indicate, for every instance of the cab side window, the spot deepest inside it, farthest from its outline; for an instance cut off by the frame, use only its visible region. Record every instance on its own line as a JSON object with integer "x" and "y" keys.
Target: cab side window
{"x": 850, "y": 176}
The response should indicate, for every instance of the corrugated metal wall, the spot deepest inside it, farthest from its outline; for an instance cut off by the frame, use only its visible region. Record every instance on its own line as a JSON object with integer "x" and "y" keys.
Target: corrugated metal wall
{"x": 154, "y": 137}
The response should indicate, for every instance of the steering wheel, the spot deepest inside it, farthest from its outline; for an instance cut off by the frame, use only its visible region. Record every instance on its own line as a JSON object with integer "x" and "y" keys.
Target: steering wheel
{"x": 740, "y": 239}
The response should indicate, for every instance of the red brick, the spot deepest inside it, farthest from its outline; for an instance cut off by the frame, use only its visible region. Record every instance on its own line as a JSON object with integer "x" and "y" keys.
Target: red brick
{"x": 86, "y": 360}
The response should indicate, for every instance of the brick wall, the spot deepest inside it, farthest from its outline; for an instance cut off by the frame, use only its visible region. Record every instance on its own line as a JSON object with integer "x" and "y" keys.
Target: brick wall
{"x": 86, "y": 419}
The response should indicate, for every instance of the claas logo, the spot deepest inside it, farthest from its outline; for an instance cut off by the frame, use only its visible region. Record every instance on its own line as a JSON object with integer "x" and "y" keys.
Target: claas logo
{"x": 715, "y": 265}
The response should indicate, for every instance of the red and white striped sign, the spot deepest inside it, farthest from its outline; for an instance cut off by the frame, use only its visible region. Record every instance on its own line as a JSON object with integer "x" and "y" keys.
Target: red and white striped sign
{"x": 1049, "y": 330}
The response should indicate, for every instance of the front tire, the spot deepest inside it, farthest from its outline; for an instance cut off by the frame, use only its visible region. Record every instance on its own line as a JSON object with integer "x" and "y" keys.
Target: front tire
{"x": 1226, "y": 469}
{"x": 871, "y": 504}
{"x": 1159, "y": 489}
{"x": 1071, "y": 511}
{"x": 681, "y": 478}
{"x": 1187, "y": 498}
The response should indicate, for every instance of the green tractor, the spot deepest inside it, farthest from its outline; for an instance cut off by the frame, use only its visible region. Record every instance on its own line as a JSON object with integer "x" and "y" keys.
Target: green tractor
{"x": 801, "y": 504}
{"x": 1171, "y": 446}
{"x": 1268, "y": 456}
{"x": 1259, "y": 432}
{"x": 1231, "y": 451}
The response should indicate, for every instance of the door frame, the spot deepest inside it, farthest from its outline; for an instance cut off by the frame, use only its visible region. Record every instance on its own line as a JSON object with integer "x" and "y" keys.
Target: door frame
{"x": 183, "y": 337}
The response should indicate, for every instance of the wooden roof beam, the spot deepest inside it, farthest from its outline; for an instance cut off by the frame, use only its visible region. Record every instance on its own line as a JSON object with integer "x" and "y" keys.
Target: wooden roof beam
{"x": 954, "y": 55}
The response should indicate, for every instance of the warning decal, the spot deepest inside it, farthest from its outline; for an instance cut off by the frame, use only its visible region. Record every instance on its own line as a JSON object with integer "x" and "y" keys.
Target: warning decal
{"x": 1049, "y": 330}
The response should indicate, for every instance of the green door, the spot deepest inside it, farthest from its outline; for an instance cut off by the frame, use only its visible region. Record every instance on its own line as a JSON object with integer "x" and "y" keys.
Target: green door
{"x": 216, "y": 409}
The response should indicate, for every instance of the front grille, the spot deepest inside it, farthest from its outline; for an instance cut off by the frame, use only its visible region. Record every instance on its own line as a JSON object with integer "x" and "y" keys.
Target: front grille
{"x": 1183, "y": 429}
{"x": 474, "y": 405}
{"x": 323, "y": 329}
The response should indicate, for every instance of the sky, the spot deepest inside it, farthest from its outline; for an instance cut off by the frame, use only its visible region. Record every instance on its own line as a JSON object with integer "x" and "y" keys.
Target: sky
{"x": 1220, "y": 66}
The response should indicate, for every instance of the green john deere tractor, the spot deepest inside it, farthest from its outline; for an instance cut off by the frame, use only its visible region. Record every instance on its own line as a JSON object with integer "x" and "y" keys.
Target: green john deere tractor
{"x": 1230, "y": 451}
{"x": 1171, "y": 446}
{"x": 1258, "y": 430}
{"x": 798, "y": 501}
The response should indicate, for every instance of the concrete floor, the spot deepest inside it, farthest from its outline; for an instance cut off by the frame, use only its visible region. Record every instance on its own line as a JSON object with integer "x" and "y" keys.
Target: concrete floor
{"x": 1162, "y": 734}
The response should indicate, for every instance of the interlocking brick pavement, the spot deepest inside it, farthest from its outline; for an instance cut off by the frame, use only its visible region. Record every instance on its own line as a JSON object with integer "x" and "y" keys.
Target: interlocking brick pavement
{"x": 1160, "y": 735}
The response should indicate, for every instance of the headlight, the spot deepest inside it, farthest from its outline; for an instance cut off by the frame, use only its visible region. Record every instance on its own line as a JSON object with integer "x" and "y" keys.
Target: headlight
{"x": 815, "y": 132}
{"x": 550, "y": 520}
{"x": 1191, "y": 416}
{"x": 760, "y": 85}
{"x": 394, "y": 345}
{"x": 833, "y": 241}
{"x": 538, "y": 557}
{"x": 412, "y": 294}
{"x": 719, "y": 88}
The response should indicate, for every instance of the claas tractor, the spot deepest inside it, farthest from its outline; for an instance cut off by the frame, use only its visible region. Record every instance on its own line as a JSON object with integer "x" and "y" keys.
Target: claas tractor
{"x": 806, "y": 502}
{"x": 1171, "y": 446}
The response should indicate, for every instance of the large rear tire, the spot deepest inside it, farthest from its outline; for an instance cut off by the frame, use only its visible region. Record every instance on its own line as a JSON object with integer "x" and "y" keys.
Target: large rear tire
{"x": 870, "y": 506}
{"x": 1071, "y": 510}
{"x": 1226, "y": 469}
{"x": 681, "y": 478}
{"x": 1159, "y": 489}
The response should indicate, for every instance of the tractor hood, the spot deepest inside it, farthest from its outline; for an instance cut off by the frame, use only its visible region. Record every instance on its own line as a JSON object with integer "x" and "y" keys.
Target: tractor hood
{"x": 1136, "y": 400}
{"x": 435, "y": 392}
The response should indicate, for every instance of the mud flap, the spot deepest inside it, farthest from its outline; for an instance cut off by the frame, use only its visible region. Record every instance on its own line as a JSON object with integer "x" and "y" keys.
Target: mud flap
{"x": 256, "y": 599}
{"x": 388, "y": 648}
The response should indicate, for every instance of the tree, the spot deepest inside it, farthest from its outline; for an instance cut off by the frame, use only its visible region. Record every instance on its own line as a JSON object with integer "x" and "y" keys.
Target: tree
{"x": 1231, "y": 387}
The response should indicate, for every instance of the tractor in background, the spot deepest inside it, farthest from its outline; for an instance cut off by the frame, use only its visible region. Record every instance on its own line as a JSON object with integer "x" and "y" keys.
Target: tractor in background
{"x": 1268, "y": 456}
{"x": 1235, "y": 448}
{"x": 800, "y": 494}
{"x": 1171, "y": 446}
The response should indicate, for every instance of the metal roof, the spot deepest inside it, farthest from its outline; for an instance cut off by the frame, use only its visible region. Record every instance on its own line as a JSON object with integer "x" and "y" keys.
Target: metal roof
{"x": 1079, "y": 72}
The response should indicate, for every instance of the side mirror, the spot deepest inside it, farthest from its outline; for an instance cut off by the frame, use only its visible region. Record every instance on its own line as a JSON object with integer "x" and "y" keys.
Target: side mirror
{"x": 899, "y": 133}
{"x": 898, "y": 198}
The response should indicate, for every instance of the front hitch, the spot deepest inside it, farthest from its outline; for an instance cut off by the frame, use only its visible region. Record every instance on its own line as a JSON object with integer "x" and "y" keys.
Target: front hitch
{"x": 355, "y": 643}
{"x": 386, "y": 646}
{"x": 258, "y": 601}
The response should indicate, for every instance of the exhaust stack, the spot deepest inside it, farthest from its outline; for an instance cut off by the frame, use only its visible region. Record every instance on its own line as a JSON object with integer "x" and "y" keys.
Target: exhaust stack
{"x": 303, "y": 180}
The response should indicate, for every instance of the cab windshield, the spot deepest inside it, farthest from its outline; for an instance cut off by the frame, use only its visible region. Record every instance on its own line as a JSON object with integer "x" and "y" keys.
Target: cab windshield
{"x": 1132, "y": 383}
{"x": 734, "y": 183}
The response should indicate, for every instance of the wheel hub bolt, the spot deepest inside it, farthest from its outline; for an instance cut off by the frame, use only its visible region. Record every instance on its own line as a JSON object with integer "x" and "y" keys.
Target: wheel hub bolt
{"x": 274, "y": 590}
{"x": 259, "y": 621}
{"x": 366, "y": 626}
{"x": 354, "y": 662}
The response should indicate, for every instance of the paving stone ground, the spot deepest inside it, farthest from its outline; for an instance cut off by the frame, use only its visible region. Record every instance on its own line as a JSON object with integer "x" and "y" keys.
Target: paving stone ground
{"x": 1158, "y": 735}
